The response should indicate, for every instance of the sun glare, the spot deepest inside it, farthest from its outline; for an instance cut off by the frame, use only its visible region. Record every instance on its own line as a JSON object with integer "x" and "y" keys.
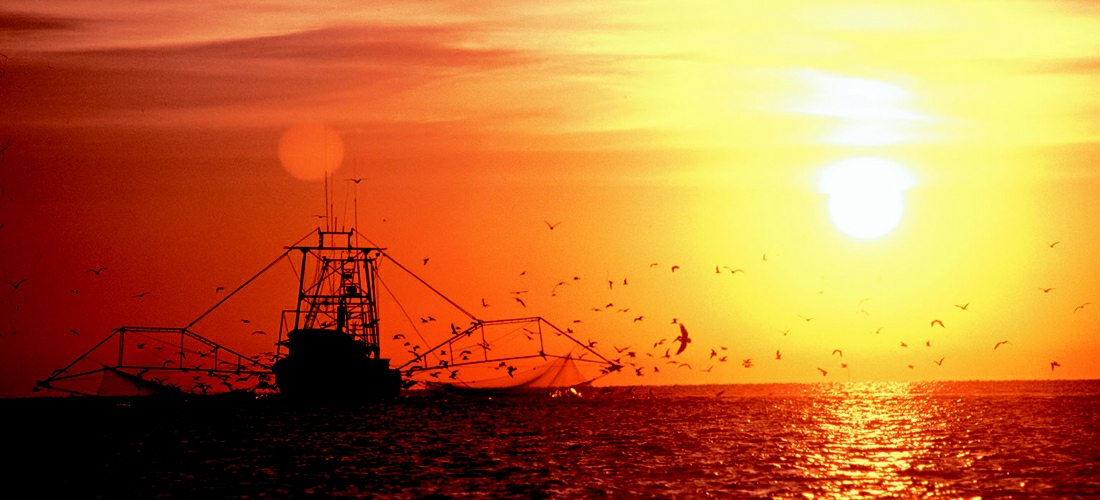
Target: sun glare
{"x": 310, "y": 150}
{"x": 865, "y": 195}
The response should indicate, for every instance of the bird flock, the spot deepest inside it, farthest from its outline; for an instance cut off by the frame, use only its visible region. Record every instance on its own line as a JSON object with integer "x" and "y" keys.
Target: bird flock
{"x": 645, "y": 358}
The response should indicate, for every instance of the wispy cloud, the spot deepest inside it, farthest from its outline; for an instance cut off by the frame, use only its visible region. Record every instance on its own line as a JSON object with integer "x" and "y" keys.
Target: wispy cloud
{"x": 289, "y": 69}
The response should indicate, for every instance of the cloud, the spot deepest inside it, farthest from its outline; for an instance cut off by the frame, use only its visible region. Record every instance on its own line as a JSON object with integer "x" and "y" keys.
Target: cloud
{"x": 288, "y": 70}
{"x": 16, "y": 22}
{"x": 1070, "y": 66}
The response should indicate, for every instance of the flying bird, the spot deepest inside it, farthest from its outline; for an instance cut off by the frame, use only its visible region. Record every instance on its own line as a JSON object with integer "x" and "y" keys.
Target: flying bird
{"x": 218, "y": 289}
{"x": 520, "y": 301}
{"x": 823, "y": 372}
{"x": 1046, "y": 290}
{"x": 804, "y": 317}
{"x": 838, "y": 351}
{"x": 1054, "y": 364}
{"x": 425, "y": 261}
{"x": 96, "y": 271}
{"x": 4, "y": 149}
{"x": 17, "y": 283}
{"x": 998, "y": 344}
{"x": 777, "y": 355}
{"x": 964, "y": 306}
{"x": 674, "y": 268}
{"x": 356, "y": 180}
{"x": 259, "y": 332}
{"x": 747, "y": 363}
{"x": 903, "y": 344}
{"x": 551, "y": 226}
{"x": 1082, "y": 306}
{"x": 142, "y": 294}
{"x": 483, "y": 304}
{"x": 683, "y": 339}
{"x": 784, "y": 332}
{"x": 939, "y": 363}
{"x": 935, "y": 322}
{"x": 1051, "y": 245}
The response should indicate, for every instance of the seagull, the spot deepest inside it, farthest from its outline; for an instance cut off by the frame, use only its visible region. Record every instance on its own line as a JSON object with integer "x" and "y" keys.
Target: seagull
{"x": 939, "y": 363}
{"x": 259, "y": 332}
{"x": 747, "y": 363}
{"x": 639, "y": 318}
{"x": 551, "y": 226}
{"x": 783, "y": 332}
{"x": 1051, "y": 245}
{"x": 483, "y": 304}
{"x": 998, "y": 344}
{"x": 142, "y": 294}
{"x": 734, "y": 271}
{"x": 399, "y": 336}
{"x": 933, "y": 323}
{"x": 7, "y": 144}
{"x": 823, "y": 372}
{"x": 683, "y": 339}
{"x": 838, "y": 351}
{"x": 777, "y": 355}
{"x": 713, "y": 353}
{"x": 96, "y": 271}
{"x": 1046, "y": 290}
{"x": 674, "y": 268}
{"x": 356, "y": 180}
{"x": 804, "y": 317}
{"x": 1082, "y": 306}
{"x": 74, "y": 332}
{"x": 17, "y": 283}
{"x": 685, "y": 364}
{"x": 964, "y": 306}
{"x": 1054, "y": 364}
{"x": 520, "y": 301}
{"x": 425, "y": 261}
{"x": 903, "y": 344}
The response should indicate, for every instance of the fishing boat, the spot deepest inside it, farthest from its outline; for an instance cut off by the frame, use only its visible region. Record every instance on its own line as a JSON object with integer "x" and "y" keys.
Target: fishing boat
{"x": 330, "y": 346}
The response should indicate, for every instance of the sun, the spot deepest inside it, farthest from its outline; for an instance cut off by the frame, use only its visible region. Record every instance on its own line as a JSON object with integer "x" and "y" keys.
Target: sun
{"x": 865, "y": 195}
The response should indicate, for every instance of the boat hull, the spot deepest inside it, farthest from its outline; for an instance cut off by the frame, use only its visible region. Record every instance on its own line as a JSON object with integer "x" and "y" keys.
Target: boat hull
{"x": 332, "y": 366}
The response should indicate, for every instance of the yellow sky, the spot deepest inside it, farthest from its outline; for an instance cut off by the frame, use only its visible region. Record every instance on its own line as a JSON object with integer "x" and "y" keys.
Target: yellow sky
{"x": 144, "y": 138}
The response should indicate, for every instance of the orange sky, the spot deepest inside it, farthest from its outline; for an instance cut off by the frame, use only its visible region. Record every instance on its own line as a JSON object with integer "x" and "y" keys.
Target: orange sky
{"x": 144, "y": 138}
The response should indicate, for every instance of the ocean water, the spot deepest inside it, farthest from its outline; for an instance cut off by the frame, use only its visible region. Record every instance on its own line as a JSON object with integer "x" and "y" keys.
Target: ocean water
{"x": 857, "y": 440}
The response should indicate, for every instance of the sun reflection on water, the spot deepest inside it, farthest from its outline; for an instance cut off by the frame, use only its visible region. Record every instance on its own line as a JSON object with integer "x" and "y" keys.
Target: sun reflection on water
{"x": 876, "y": 439}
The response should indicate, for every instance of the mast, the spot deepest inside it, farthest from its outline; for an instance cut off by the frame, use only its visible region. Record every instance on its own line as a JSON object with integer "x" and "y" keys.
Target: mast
{"x": 337, "y": 288}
